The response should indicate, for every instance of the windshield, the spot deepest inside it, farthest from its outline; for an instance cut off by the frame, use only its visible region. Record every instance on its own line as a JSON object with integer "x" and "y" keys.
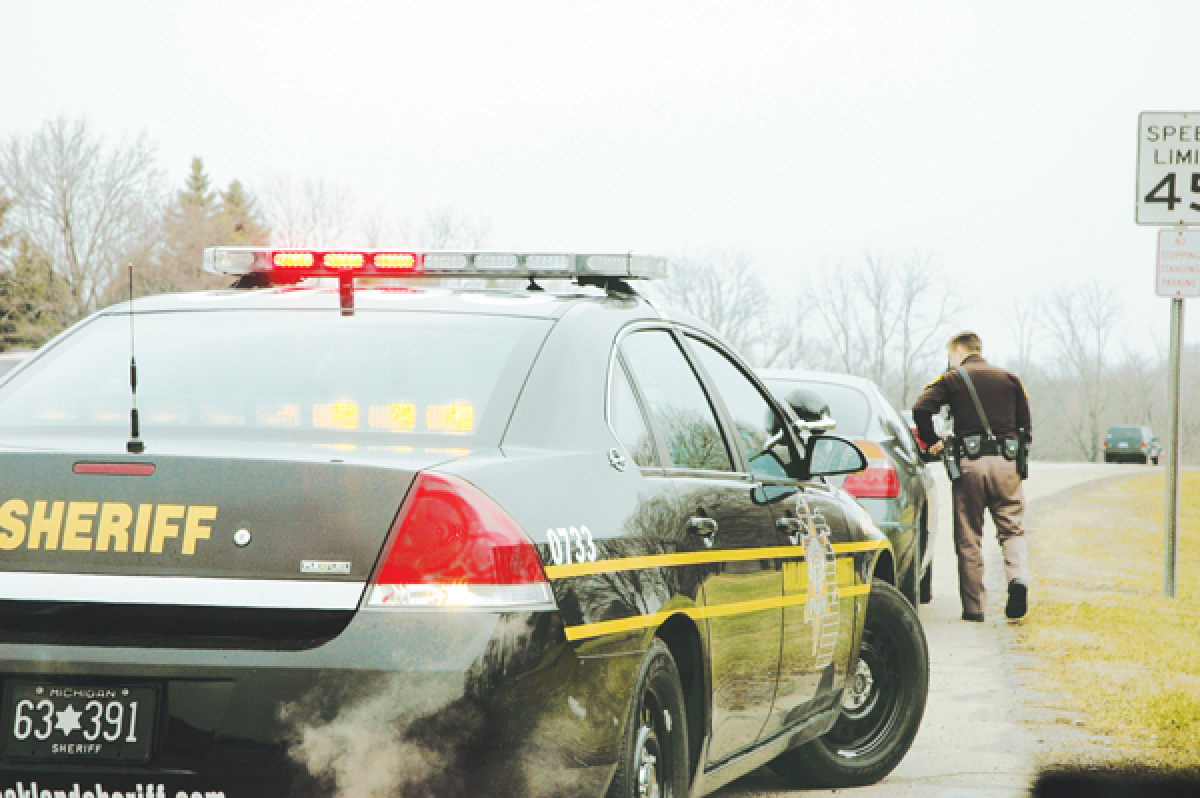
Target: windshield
{"x": 279, "y": 374}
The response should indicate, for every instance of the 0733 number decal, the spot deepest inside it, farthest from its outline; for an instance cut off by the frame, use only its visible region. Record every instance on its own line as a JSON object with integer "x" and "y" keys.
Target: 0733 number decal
{"x": 572, "y": 544}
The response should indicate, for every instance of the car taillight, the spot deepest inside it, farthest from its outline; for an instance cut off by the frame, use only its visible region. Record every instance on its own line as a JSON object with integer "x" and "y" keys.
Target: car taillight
{"x": 452, "y": 546}
{"x": 879, "y": 481}
{"x": 1143, "y": 444}
{"x": 1105, "y": 444}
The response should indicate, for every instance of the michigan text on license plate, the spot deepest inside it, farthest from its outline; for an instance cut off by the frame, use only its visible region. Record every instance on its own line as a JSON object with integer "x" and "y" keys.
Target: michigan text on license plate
{"x": 78, "y": 723}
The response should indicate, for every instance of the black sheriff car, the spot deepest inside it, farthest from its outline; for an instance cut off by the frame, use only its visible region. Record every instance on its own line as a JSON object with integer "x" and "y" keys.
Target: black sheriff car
{"x": 387, "y": 537}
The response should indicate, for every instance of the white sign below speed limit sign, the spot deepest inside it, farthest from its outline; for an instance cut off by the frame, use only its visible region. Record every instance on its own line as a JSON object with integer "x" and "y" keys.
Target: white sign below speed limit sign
{"x": 1178, "y": 272}
{"x": 1168, "y": 178}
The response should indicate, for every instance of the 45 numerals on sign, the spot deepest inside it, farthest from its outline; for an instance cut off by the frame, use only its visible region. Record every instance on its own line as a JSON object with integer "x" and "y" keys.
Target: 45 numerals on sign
{"x": 1165, "y": 192}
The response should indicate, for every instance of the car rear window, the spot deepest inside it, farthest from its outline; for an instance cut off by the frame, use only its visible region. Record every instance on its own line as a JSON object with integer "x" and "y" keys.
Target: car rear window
{"x": 848, "y": 406}
{"x": 276, "y": 373}
{"x": 1125, "y": 433}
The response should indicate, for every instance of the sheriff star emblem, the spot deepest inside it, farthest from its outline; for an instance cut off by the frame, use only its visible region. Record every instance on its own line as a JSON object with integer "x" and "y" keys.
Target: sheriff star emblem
{"x": 68, "y": 720}
{"x": 823, "y": 605}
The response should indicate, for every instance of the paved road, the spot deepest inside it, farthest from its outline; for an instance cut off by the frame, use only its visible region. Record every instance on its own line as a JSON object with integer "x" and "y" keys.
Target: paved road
{"x": 975, "y": 741}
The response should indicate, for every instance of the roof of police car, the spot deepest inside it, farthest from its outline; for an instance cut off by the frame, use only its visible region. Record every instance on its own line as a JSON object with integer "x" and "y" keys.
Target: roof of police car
{"x": 511, "y": 302}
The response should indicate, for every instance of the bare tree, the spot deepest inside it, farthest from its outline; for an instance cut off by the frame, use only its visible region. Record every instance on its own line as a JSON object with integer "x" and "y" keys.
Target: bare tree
{"x": 1139, "y": 380}
{"x": 1024, "y": 322}
{"x": 837, "y": 305}
{"x": 382, "y": 229}
{"x": 725, "y": 289}
{"x": 310, "y": 212}
{"x": 883, "y": 317}
{"x": 1081, "y": 321}
{"x": 925, "y": 308}
{"x": 87, "y": 206}
{"x": 451, "y": 227}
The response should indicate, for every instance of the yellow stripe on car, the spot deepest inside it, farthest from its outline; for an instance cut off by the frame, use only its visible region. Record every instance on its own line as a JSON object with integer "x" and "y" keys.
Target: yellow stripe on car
{"x": 601, "y": 628}
{"x": 698, "y": 558}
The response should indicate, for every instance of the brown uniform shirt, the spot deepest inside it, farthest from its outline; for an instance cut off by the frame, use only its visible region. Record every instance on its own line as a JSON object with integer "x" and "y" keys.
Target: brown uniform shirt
{"x": 1000, "y": 392}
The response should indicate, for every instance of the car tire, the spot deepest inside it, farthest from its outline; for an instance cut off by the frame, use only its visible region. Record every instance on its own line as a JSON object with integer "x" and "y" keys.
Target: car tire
{"x": 654, "y": 748}
{"x": 880, "y": 719}
{"x": 1154, "y": 460}
{"x": 927, "y": 584}
{"x": 1107, "y": 459}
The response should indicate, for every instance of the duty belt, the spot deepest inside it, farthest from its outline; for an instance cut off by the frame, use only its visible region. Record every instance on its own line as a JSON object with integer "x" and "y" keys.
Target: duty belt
{"x": 987, "y": 447}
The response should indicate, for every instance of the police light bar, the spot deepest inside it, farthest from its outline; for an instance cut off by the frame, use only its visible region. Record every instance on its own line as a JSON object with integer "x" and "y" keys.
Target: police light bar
{"x": 291, "y": 265}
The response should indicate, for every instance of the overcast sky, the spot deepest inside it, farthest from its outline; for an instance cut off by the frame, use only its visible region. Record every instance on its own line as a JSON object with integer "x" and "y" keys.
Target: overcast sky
{"x": 998, "y": 137}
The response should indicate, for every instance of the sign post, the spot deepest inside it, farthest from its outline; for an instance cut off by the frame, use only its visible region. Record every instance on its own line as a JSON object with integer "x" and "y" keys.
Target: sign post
{"x": 1171, "y": 555}
{"x": 1168, "y": 193}
{"x": 1177, "y": 275}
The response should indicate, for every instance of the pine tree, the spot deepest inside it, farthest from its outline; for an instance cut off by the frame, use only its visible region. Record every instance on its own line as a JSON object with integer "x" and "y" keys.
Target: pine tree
{"x": 240, "y": 222}
{"x": 32, "y": 298}
{"x": 197, "y": 194}
{"x": 31, "y": 293}
{"x": 200, "y": 217}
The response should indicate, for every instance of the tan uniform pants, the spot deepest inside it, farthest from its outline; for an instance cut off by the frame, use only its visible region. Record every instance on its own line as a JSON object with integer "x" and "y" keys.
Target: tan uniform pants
{"x": 991, "y": 483}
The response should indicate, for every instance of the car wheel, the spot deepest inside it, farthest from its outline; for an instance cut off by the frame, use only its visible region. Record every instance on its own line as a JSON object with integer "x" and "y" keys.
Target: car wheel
{"x": 882, "y": 705}
{"x": 927, "y": 584}
{"x": 1107, "y": 459}
{"x": 1154, "y": 460}
{"x": 654, "y": 751}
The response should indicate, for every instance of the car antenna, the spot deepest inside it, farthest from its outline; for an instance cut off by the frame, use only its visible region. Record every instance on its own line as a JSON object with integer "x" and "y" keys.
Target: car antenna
{"x": 135, "y": 444}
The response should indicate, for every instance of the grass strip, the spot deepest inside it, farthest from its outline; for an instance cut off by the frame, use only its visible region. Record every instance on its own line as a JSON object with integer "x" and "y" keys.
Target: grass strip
{"x": 1106, "y": 638}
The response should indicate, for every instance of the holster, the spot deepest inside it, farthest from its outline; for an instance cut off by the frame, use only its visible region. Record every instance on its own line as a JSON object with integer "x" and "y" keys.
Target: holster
{"x": 950, "y": 455}
{"x": 1022, "y": 456}
{"x": 973, "y": 446}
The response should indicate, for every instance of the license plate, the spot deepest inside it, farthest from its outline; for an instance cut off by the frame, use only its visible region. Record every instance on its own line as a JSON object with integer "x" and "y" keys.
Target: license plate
{"x": 1123, "y": 445}
{"x": 72, "y": 723}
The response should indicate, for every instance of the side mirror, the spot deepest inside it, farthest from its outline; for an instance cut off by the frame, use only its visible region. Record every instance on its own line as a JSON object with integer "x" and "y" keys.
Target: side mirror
{"x": 829, "y": 455}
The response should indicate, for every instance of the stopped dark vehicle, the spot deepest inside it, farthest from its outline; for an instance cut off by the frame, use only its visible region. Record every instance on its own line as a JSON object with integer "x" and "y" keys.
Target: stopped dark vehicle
{"x": 1132, "y": 444}
{"x": 386, "y": 539}
{"x": 896, "y": 488}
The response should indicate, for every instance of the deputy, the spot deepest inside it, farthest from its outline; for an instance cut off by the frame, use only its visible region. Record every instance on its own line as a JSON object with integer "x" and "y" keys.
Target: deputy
{"x": 992, "y": 430}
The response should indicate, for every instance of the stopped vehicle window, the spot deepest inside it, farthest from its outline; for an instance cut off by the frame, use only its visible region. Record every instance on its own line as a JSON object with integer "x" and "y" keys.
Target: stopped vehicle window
{"x": 849, "y": 407}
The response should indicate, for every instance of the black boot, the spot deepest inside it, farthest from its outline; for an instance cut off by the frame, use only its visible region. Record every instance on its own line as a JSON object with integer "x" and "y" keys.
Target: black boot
{"x": 1018, "y": 595}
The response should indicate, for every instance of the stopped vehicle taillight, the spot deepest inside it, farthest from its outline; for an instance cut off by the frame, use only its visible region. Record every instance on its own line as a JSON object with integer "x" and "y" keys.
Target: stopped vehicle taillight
{"x": 452, "y": 546}
{"x": 879, "y": 480}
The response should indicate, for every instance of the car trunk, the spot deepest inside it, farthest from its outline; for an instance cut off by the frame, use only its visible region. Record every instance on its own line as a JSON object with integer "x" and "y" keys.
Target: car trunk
{"x": 203, "y": 552}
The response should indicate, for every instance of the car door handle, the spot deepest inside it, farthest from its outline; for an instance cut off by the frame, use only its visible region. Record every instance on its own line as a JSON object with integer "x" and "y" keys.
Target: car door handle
{"x": 704, "y": 527}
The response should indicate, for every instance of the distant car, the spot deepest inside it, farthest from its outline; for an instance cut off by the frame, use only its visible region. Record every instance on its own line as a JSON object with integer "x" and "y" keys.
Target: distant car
{"x": 896, "y": 488}
{"x": 10, "y": 360}
{"x": 1134, "y": 444}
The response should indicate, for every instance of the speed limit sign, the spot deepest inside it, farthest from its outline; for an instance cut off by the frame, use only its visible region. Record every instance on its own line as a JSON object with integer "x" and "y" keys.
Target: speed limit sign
{"x": 1168, "y": 178}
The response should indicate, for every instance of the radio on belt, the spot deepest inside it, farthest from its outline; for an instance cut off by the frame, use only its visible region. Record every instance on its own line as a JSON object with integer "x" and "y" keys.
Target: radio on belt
{"x": 263, "y": 266}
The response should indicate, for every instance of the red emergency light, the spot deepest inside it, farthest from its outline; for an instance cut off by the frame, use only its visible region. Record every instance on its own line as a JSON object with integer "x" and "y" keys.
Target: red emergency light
{"x": 287, "y": 266}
